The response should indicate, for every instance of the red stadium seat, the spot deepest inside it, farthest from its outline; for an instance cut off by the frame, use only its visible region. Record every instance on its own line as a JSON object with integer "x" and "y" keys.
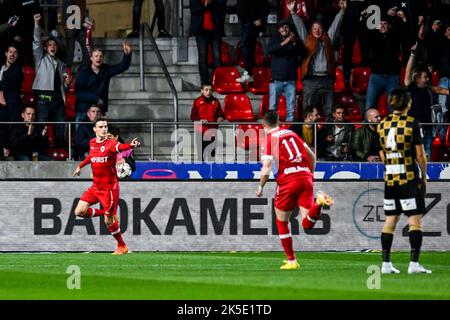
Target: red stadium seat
{"x": 281, "y": 110}
{"x": 28, "y": 77}
{"x": 261, "y": 84}
{"x": 29, "y": 99}
{"x": 70, "y": 106}
{"x": 51, "y": 134}
{"x": 356, "y": 57}
{"x": 436, "y": 150}
{"x": 248, "y": 135}
{"x": 360, "y": 80}
{"x": 299, "y": 84}
{"x": 349, "y": 102}
{"x": 339, "y": 84}
{"x": 224, "y": 80}
{"x": 435, "y": 78}
{"x": 259, "y": 55}
{"x": 402, "y": 76}
{"x": 382, "y": 107}
{"x": 447, "y": 138}
{"x": 58, "y": 154}
{"x": 225, "y": 54}
{"x": 237, "y": 107}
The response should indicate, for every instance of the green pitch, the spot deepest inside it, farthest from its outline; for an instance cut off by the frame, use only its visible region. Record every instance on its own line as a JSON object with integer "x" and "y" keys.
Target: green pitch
{"x": 209, "y": 276}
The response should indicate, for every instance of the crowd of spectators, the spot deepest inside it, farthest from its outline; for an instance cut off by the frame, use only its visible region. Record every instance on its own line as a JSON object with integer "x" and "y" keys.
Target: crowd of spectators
{"x": 395, "y": 37}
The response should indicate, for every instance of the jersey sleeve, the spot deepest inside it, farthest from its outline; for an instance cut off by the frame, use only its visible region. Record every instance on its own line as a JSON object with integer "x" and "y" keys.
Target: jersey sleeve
{"x": 85, "y": 161}
{"x": 417, "y": 133}
{"x": 267, "y": 149}
{"x": 116, "y": 146}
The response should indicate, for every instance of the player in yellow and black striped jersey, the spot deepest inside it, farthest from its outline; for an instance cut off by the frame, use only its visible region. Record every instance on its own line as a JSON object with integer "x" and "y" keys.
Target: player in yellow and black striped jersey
{"x": 403, "y": 153}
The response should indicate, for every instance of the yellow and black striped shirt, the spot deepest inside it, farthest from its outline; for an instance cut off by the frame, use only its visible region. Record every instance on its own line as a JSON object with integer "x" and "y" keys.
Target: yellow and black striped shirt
{"x": 399, "y": 134}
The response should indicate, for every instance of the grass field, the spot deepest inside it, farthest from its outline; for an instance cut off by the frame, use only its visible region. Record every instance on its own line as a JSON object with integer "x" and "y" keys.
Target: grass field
{"x": 211, "y": 276}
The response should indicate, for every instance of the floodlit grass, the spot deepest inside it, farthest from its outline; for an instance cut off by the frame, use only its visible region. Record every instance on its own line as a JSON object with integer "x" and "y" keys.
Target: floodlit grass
{"x": 211, "y": 276}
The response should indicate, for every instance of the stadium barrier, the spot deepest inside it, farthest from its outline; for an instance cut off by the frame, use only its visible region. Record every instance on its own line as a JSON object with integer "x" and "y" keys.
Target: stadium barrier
{"x": 206, "y": 216}
{"x": 236, "y": 142}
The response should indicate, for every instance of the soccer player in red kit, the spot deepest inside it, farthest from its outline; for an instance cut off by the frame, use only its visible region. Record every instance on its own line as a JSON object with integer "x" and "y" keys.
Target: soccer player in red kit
{"x": 105, "y": 188}
{"x": 294, "y": 162}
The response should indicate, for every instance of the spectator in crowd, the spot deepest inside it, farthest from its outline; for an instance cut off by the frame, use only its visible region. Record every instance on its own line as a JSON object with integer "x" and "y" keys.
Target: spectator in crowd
{"x": 423, "y": 97}
{"x": 11, "y": 78}
{"x": 52, "y": 15}
{"x": 92, "y": 81}
{"x": 73, "y": 34}
{"x": 319, "y": 67}
{"x": 85, "y": 133}
{"x": 443, "y": 67}
{"x": 334, "y": 139}
{"x": 253, "y": 16}
{"x": 4, "y": 29}
{"x": 160, "y": 18}
{"x": 421, "y": 59}
{"x": 385, "y": 63}
{"x": 23, "y": 32}
{"x": 307, "y": 130}
{"x": 410, "y": 15}
{"x": 205, "y": 109}
{"x": 365, "y": 144}
{"x": 432, "y": 41}
{"x": 352, "y": 27}
{"x": 285, "y": 49}
{"x": 208, "y": 27}
{"x": 440, "y": 10}
{"x": 50, "y": 83}
{"x": 28, "y": 141}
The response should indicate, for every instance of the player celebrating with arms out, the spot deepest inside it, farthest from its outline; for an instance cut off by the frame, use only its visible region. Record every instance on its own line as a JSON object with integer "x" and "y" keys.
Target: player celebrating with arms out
{"x": 296, "y": 163}
{"x": 105, "y": 188}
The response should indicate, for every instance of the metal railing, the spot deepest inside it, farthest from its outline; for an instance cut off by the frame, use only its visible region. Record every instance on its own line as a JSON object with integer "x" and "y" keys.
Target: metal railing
{"x": 146, "y": 28}
{"x": 162, "y": 135}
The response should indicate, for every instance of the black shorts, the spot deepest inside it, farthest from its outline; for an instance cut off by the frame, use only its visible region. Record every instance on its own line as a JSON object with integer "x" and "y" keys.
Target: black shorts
{"x": 408, "y": 198}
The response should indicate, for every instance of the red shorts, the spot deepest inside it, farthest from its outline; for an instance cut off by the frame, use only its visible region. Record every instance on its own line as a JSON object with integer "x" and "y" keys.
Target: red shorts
{"x": 294, "y": 193}
{"x": 109, "y": 199}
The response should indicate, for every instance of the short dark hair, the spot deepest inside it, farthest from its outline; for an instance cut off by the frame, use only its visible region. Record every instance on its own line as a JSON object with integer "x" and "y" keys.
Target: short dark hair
{"x": 271, "y": 118}
{"x": 96, "y": 49}
{"x": 12, "y": 45}
{"x": 25, "y": 107}
{"x": 418, "y": 72}
{"x": 101, "y": 118}
{"x": 309, "y": 110}
{"x": 115, "y": 131}
{"x": 337, "y": 106}
{"x": 400, "y": 99}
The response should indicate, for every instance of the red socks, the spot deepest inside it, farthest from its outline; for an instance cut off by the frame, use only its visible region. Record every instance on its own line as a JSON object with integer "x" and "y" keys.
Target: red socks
{"x": 312, "y": 217}
{"x": 115, "y": 232}
{"x": 92, "y": 212}
{"x": 286, "y": 238}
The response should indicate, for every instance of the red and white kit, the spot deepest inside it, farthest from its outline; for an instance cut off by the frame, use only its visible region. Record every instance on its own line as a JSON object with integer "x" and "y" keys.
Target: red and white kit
{"x": 290, "y": 160}
{"x": 105, "y": 188}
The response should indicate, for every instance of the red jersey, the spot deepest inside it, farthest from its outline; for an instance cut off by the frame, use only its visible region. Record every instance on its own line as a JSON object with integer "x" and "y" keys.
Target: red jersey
{"x": 288, "y": 154}
{"x": 102, "y": 157}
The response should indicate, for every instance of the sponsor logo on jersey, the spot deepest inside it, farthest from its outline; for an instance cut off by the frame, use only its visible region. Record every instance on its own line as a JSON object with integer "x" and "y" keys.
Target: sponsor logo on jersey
{"x": 296, "y": 169}
{"x": 99, "y": 159}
